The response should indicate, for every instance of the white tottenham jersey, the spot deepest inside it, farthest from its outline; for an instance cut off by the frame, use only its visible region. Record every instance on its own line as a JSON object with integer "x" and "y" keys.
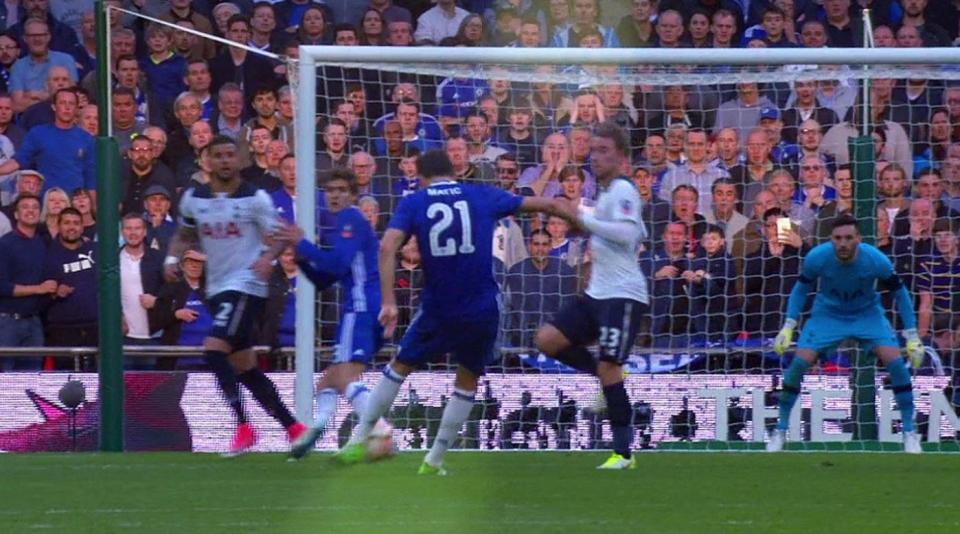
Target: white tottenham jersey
{"x": 614, "y": 270}
{"x": 231, "y": 229}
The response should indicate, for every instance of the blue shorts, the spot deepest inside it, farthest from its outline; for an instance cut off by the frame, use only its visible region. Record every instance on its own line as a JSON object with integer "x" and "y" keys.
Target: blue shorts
{"x": 822, "y": 332}
{"x": 473, "y": 343}
{"x": 359, "y": 338}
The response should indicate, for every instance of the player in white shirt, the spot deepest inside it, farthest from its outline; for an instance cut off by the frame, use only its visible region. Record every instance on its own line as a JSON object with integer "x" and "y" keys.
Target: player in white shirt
{"x": 616, "y": 297}
{"x": 230, "y": 218}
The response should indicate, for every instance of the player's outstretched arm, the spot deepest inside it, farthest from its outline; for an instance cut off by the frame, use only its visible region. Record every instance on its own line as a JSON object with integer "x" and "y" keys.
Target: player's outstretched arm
{"x": 317, "y": 263}
{"x": 795, "y": 304}
{"x": 390, "y": 245}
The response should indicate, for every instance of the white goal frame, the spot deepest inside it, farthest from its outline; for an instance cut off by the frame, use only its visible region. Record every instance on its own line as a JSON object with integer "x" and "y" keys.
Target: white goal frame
{"x": 306, "y": 108}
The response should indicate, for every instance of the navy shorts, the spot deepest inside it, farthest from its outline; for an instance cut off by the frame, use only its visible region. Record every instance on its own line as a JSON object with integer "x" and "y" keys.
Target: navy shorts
{"x": 359, "y": 338}
{"x": 234, "y": 316}
{"x": 472, "y": 343}
{"x": 611, "y": 323}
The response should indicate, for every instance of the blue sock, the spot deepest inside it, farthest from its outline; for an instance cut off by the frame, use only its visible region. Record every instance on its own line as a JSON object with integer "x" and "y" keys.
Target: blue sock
{"x": 902, "y": 391}
{"x": 792, "y": 379}
{"x": 618, "y": 410}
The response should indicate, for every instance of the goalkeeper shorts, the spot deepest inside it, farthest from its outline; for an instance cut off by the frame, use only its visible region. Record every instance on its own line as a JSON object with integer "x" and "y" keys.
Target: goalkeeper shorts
{"x": 822, "y": 331}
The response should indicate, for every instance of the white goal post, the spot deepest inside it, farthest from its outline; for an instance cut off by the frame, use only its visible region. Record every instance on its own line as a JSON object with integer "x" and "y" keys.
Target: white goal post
{"x": 306, "y": 110}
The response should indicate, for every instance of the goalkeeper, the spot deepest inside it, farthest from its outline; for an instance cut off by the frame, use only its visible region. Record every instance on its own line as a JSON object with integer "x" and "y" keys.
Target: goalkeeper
{"x": 846, "y": 306}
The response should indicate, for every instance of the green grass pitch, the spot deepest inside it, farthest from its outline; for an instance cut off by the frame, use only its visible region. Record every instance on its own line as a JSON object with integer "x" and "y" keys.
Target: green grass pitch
{"x": 486, "y": 492}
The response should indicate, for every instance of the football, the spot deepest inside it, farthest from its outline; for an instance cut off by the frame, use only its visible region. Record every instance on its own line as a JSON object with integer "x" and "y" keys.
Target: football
{"x": 380, "y": 442}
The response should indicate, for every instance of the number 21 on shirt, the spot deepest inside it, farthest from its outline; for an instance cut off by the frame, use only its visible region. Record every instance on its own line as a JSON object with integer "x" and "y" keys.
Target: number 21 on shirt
{"x": 446, "y": 213}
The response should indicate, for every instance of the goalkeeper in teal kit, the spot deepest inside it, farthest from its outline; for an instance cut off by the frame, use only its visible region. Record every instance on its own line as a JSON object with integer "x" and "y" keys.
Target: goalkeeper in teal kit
{"x": 847, "y": 306}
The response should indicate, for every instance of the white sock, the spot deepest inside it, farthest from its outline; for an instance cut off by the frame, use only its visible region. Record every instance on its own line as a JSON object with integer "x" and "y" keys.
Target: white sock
{"x": 454, "y": 415}
{"x": 358, "y": 395}
{"x": 378, "y": 403}
{"x": 326, "y": 405}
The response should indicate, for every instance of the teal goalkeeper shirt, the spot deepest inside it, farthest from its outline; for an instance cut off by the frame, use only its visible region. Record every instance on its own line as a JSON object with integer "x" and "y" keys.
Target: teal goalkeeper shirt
{"x": 846, "y": 290}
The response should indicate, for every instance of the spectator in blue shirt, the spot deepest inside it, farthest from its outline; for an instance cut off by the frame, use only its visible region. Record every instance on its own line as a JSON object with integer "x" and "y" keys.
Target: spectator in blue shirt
{"x": 28, "y": 76}
{"x": 63, "y": 37}
{"x": 22, "y": 286}
{"x": 181, "y": 312}
{"x": 63, "y": 152}
{"x": 165, "y": 71}
{"x": 536, "y": 285}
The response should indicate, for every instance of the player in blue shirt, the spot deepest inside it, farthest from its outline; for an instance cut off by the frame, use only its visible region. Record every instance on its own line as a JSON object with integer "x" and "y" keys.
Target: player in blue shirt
{"x": 459, "y": 311}
{"x": 847, "y": 306}
{"x": 351, "y": 261}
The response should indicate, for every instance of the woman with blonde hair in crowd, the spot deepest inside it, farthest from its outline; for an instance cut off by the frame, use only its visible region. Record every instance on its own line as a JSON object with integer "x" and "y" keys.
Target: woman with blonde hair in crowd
{"x": 54, "y": 200}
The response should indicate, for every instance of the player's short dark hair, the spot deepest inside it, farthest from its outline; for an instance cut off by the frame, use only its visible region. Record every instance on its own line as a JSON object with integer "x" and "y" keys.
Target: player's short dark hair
{"x": 475, "y": 112}
{"x": 130, "y": 215}
{"x": 685, "y": 187}
{"x": 345, "y": 27}
{"x": 772, "y": 10}
{"x": 592, "y": 31}
{"x": 845, "y": 219}
{"x": 124, "y": 91}
{"x": 945, "y": 224}
{"x": 434, "y": 163}
{"x": 126, "y": 57}
{"x": 238, "y": 17}
{"x": 406, "y": 101}
{"x": 529, "y": 20}
{"x": 611, "y": 130}
{"x": 927, "y": 171}
{"x": 70, "y": 90}
{"x": 69, "y": 210}
{"x": 540, "y": 231}
{"x": 725, "y": 181}
{"x": 772, "y": 212}
{"x": 264, "y": 91}
{"x": 222, "y": 140}
{"x": 25, "y": 196}
{"x": 684, "y": 224}
{"x": 714, "y": 229}
{"x": 345, "y": 175}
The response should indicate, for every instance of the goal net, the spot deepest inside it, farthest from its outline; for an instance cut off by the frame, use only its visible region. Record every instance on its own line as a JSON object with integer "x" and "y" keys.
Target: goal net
{"x": 722, "y": 146}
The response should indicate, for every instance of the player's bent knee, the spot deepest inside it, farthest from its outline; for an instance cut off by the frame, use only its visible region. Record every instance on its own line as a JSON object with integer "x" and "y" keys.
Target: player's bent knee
{"x": 243, "y": 360}
{"x": 887, "y": 353}
{"x": 217, "y": 344}
{"x": 341, "y": 375}
{"x": 550, "y": 340}
{"x": 466, "y": 379}
{"x": 609, "y": 372}
{"x": 401, "y": 368}
{"x": 807, "y": 355}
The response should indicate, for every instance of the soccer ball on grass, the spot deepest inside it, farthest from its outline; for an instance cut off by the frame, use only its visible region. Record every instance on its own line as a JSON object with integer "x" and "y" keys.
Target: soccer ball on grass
{"x": 380, "y": 442}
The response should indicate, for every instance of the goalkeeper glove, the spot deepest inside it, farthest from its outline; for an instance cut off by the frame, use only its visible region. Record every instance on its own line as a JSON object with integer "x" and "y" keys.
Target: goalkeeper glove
{"x": 785, "y": 337}
{"x": 915, "y": 349}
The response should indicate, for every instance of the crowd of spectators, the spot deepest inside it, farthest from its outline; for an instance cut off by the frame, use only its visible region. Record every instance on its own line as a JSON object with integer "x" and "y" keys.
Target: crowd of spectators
{"x": 719, "y": 166}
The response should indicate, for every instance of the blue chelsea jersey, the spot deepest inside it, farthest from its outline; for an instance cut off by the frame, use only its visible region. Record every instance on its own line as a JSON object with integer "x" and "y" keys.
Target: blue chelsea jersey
{"x": 454, "y": 225}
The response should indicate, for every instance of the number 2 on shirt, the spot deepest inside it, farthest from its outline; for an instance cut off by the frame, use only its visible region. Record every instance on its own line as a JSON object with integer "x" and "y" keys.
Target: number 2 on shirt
{"x": 449, "y": 248}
